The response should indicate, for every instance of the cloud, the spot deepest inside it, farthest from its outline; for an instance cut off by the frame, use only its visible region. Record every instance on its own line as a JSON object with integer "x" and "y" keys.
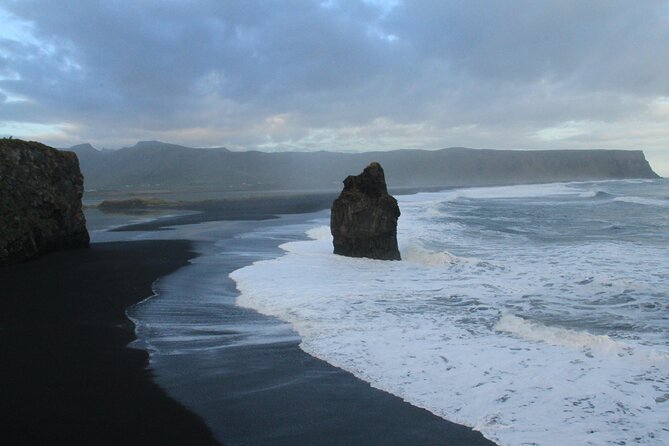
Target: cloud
{"x": 366, "y": 74}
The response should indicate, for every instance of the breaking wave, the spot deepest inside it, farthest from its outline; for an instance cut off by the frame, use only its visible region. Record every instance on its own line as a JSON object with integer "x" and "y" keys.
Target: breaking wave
{"x": 540, "y": 335}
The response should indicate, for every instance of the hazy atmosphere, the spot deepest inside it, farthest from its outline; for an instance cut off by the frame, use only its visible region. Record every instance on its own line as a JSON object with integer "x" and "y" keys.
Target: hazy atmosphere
{"x": 334, "y": 222}
{"x": 338, "y": 75}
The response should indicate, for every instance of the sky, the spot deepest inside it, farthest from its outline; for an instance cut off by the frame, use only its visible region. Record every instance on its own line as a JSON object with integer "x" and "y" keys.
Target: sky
{"x": 340, "y": 75}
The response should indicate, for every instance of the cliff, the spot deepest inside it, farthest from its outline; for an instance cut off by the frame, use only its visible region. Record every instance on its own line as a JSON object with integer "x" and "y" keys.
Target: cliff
{"x": 155, "y": 165}
{"x": 40, "y": 201}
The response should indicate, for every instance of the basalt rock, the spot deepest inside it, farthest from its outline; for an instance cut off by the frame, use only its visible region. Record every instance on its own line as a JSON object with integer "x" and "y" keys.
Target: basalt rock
{"x": 40, "y": 201}
{"x": 364, "y": 217}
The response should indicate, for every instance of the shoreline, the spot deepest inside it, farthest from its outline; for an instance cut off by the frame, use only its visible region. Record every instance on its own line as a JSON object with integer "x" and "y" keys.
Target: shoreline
{"x": 68, "y": 374}
{"x": 269, "y": 392}
{"x": 252, "y": 209}
{"x": 75, "y": 379}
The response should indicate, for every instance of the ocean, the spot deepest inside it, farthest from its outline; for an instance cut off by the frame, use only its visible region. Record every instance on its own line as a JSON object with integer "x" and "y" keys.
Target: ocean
{"x": 537, "y": 314}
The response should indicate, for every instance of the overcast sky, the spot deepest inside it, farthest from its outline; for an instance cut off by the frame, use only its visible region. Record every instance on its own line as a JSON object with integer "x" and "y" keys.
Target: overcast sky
{"x": 338, "y": 75}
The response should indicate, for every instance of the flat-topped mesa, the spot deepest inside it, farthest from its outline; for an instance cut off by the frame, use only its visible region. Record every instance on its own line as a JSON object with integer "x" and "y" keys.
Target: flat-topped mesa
{"x": 40, "y": 201}
{"x": 363, "y": 219}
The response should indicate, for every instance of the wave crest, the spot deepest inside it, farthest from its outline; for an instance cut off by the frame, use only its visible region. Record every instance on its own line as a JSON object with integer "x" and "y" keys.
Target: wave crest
{"x": 642, "y": 200}
{"x": 601, "y": 344}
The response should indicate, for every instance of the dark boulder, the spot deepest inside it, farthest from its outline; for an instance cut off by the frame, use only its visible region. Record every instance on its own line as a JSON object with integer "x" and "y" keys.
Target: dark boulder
{"x": 364, "y": 217}
{"x": 40, "y": 201}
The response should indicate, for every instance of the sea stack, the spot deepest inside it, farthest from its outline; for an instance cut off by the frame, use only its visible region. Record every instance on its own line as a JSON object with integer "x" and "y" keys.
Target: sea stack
{"x": 40, "y": 201}
{"x": 363, "y": 220}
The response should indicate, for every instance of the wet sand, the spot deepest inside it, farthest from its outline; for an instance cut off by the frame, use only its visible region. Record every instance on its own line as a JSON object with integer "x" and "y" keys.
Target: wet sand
{"x": 245, "y": 373}
{"x": 67, "y": 376}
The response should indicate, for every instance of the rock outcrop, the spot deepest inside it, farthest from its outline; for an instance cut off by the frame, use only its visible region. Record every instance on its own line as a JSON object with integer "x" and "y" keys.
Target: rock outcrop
{"x": 364, "y": 217}
{"x": 40, "y": 201}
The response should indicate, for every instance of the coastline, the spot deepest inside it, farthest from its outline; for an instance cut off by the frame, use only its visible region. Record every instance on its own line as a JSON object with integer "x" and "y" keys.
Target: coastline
{"x": 390, "y": 325}
{"x": 267, "y": 392}
{"x": 74, "y": 380}
{"x": 259, "y": 207}
{"x": 68, "y": 376}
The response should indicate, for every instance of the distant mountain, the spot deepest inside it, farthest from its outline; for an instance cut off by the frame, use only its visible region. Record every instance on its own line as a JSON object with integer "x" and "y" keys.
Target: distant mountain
{"x": 82, "y": 149}
{"x": 157, "y": 165}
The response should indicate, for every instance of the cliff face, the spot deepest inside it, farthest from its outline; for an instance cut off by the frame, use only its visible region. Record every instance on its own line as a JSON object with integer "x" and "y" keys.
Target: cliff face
{"x": 363, "y": 220}
{"x": 40, "y": 201}
{"x": 490, "y": 167}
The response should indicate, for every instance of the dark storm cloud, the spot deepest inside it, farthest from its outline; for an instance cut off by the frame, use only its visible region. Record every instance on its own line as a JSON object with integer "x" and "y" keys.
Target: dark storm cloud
{"x": 281, "y": 73}
{"x": 156, "y": 58}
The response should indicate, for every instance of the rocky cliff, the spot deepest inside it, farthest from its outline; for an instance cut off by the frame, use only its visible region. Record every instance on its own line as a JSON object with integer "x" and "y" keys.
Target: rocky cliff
{"x": 363, "y": 220}
{"x": 40, "y": 201}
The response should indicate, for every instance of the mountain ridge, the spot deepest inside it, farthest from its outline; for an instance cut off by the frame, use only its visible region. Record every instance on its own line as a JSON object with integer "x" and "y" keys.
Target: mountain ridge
{"x": 156, "y": 165}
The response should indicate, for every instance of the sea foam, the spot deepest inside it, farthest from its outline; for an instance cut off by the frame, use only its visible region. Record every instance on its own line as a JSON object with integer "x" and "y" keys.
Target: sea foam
{"x": 529, "y": 342}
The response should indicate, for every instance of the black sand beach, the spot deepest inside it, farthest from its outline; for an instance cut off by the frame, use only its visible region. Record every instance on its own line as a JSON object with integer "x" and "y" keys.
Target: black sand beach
{"x": 67, "y": 376}
{"x": 70, "y": 380}
{"x": 257, "y": 207}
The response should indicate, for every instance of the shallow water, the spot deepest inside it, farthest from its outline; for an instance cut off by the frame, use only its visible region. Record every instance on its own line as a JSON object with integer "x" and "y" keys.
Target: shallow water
{"x": 523, "y": 311}
{"x": 243, "y": 372}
